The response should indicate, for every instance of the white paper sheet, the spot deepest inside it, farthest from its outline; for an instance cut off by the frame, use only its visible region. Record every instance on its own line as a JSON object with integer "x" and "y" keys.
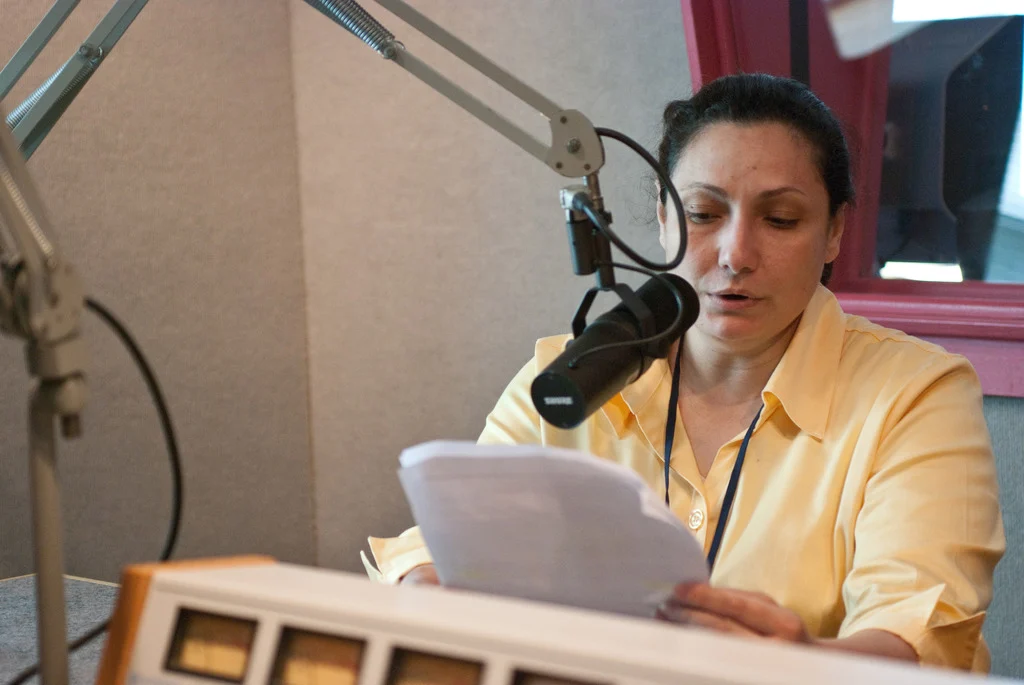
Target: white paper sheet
{"x": 547, "y": 524}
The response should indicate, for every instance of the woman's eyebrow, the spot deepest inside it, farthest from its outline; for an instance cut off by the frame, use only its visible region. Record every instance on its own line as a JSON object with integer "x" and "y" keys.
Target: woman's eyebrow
{"x": 722, "y": 194}
{"x": 781, "y": 191}
{"x": 707, "y": 187}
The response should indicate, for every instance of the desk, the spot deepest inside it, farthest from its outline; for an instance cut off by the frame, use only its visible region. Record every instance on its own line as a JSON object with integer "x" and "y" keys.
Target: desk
{"x": 88, "y": 603}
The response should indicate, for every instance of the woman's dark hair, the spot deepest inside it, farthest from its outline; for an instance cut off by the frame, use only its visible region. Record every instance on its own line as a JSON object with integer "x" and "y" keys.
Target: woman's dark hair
{"x": 763, "y": 98}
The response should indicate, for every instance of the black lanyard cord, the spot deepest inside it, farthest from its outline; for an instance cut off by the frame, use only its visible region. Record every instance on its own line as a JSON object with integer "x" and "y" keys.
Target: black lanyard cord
{"x": 734, "y": 478}
{"x": 670, "y": 420}
{"x": 730, "y": 494}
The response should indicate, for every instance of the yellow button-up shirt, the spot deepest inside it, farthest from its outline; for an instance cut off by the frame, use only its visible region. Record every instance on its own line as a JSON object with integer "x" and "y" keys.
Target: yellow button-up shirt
{"x": 868, "y": 496}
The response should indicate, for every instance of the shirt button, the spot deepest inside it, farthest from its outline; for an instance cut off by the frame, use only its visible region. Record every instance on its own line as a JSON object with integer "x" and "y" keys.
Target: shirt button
{"x": 696, "y": 519}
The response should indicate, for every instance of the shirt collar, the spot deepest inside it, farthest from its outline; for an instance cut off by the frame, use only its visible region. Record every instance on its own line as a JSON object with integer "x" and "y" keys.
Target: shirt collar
{"x": 802, "y": 384}
{"x": 804, "y": 381}
{"x": 644, "y": 401}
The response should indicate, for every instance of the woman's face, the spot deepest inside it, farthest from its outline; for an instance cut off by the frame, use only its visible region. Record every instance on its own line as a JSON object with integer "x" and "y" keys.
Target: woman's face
{"x": 759, "y": 231}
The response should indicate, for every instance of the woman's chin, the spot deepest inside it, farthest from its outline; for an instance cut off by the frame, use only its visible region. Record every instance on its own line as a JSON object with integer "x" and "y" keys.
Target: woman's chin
{"x": 732, "y": 329}
{"x": 744, "y": 334}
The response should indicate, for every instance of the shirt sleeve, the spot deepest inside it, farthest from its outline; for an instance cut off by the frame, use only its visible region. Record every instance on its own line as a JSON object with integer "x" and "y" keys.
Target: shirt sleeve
{"x": 929, "y": 532}
{"x": 396, "y": 556}
{"x": 513, "y": 420}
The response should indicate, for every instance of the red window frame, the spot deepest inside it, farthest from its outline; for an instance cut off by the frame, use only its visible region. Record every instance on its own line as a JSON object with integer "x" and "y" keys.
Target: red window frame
{"x": 983, "y": 321}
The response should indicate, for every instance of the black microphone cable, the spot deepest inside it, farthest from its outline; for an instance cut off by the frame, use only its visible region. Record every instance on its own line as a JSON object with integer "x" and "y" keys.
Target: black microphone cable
{"x": 666, "y": 182}
{"x": 177, "y": 487}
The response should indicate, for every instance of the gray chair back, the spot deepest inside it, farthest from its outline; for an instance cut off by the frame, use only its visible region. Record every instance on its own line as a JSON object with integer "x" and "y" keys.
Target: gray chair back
{"x": 1004, "y": 625}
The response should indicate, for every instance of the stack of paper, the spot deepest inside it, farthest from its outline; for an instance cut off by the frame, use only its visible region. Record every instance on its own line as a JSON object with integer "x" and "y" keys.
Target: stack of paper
{"x": 547, "y": 524}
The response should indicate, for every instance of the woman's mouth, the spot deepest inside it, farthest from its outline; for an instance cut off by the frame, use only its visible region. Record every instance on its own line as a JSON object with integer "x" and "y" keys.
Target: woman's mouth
{"x": 732, "y": 301}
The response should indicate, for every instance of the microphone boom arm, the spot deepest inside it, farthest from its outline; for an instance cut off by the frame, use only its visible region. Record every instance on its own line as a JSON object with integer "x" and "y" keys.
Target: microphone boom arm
{"x": 32, "y": 120}
{"x": 34, "y": 44}
{"x": 575, "y": 150}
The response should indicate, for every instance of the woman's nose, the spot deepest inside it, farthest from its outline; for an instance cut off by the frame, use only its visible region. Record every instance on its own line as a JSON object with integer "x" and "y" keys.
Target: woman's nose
{"x": 737, "y": 247}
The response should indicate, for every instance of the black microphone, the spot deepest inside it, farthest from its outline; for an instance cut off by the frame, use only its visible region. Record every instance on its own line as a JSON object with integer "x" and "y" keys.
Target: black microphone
{"x": 578, "y": 382}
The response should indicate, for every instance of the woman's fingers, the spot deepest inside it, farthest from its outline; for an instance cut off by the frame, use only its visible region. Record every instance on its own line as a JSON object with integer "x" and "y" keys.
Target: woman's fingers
{"x": 755, "y": 612}
{"x": 421, "y": 575}
{"x": 674, "y": 613}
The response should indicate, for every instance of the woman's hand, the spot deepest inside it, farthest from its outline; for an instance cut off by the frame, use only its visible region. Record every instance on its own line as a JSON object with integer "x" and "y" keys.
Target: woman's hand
{"x": 733, "y": 611}
{"x": 751, "y": 613}
{"x": 421, "y": 575}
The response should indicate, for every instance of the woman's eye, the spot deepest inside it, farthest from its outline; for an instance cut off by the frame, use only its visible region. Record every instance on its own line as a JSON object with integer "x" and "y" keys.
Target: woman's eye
{"x": 781, "y": 222}
{"x": 699, "y": 217}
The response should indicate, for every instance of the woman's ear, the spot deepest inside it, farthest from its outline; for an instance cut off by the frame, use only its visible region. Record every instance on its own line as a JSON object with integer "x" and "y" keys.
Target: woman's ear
{"x": 661, "y": 221}
{"x": 836, "y": 226}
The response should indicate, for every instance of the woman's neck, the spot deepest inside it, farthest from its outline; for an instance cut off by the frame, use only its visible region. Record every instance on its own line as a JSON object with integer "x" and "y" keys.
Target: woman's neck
{"x": 729, "y": 375}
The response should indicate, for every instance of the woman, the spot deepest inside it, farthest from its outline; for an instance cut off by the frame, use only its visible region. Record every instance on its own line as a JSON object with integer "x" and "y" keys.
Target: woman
{"x": 866, "y": 518}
